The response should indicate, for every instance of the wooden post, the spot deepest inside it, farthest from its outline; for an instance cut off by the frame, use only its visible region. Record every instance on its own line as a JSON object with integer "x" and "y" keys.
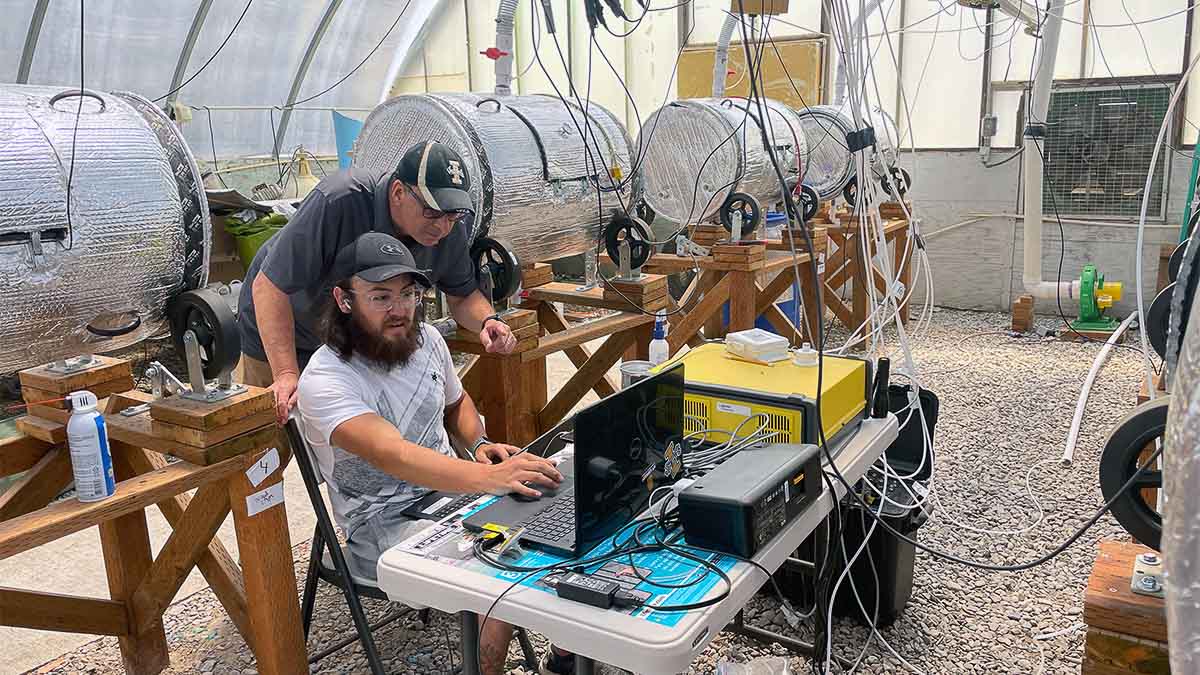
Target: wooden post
{"x": 270, "y": 579}
{"x": 714, "y": 324}
{"x": 858, "y": 313}
{"x": 742, "y": 297}
{"x": 1127, "y": 632}
{"x": 903, "y": 269}
{"x": 127, "y": 558}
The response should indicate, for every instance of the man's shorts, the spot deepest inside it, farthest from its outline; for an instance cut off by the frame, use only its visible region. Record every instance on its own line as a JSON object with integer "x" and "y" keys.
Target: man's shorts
{"x": 376, "y": 535}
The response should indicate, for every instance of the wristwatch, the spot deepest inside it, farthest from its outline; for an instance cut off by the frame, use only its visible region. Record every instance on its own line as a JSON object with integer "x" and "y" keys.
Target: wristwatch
{"x": 493, "y": 317}
{"x": 483, "y": 440}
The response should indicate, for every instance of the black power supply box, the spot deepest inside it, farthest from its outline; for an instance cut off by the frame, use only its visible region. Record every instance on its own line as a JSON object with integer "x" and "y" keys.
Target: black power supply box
{"x": 749, "y": 498}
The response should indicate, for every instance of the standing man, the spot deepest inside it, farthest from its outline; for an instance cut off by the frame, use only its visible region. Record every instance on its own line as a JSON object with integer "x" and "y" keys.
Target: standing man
{"x": 424, "y": 203}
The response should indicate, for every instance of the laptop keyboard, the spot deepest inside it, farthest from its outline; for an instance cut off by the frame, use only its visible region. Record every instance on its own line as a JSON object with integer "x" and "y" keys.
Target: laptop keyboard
{"x": 557, "y": 521}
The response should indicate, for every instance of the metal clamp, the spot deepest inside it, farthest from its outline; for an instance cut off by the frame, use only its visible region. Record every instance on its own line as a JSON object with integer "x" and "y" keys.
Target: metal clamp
{"x": 687, "y": 247}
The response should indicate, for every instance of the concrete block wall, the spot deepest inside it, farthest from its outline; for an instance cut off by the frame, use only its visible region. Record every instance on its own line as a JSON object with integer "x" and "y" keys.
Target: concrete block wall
{"x": 978, "y": 265}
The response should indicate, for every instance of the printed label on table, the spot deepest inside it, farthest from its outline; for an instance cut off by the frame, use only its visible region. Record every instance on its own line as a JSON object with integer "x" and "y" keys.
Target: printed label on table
{"x": 433, "y": 508}
{"x": 265, "y": 466}
{"x": 732, "y": 409}
{"x": 264, "y": 499}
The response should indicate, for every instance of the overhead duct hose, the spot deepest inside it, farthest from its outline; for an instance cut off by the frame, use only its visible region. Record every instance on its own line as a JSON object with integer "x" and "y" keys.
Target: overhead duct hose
{"x": 721, "y": 61}
{"x": 1181, "y": 527}
{"x": 504, "y": 43}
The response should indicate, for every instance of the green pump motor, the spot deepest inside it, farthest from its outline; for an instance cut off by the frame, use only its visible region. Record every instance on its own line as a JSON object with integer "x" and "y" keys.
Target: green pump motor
{"x": 1095, "y": 296}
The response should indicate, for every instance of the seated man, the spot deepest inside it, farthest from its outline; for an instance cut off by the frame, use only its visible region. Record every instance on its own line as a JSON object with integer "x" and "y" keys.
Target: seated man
{"x": 380, "y": 404}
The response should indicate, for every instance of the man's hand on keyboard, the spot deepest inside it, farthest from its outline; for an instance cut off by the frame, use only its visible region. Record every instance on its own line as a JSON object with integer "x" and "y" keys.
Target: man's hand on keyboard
{"x": 494, "y": 453}
{"x": 521, "y": 474}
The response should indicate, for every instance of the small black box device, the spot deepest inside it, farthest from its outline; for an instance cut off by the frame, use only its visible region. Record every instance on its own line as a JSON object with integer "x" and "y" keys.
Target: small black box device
{"x": 748, "y": 499}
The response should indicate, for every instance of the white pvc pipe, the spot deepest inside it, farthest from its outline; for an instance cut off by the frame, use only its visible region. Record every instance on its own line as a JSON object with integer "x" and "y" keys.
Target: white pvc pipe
{"x": 1047, "y": 52}
{"x": 1101, "y": 358}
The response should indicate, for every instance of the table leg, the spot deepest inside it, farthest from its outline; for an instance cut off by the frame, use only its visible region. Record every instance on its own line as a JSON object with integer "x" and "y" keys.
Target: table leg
{"x": 270, "y": 578}
{"x": 743, "y": 296}
{"x": 127, "y": 558}
{"x": 470, "y": 642}
{"x": 584, "y": 665}
{"x": 813, "y": 301}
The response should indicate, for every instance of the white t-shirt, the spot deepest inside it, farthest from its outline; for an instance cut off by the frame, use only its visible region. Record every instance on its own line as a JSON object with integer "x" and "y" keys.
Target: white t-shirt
{"x": 413, "y": 397}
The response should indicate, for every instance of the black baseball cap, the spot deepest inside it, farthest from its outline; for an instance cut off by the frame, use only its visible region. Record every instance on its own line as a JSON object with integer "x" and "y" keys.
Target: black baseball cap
{"x": 439, "y": 175}
{"x": 377, "y": 257}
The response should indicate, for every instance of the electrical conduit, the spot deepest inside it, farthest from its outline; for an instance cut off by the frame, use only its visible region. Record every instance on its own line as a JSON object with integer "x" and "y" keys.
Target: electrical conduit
{"x": 721, "y": 60}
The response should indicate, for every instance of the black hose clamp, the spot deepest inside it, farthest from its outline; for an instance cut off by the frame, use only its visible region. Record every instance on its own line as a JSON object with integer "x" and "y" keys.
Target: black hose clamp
{"x": 857, "y": 140}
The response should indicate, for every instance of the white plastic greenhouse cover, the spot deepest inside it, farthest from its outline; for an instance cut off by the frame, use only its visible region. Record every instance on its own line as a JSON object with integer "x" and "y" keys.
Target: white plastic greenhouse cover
{"x": 133, "y": 45}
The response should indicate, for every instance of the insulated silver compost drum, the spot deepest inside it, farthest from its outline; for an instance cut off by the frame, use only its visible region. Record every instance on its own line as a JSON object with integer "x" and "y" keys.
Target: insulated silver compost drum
{"x": 704, "y": 158}
{"x": 93, "y": 269}
{"x": 829, "y": 166}
{"x": 534, "y": 180}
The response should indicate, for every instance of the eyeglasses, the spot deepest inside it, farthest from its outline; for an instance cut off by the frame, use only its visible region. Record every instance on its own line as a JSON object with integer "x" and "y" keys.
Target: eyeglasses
{"x": 381, "y": 302}
{"x": 455, "y": 216}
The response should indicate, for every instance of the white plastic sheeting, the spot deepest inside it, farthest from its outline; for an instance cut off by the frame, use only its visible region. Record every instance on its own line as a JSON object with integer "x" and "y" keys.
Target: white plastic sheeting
{"x": 135, "y": 46}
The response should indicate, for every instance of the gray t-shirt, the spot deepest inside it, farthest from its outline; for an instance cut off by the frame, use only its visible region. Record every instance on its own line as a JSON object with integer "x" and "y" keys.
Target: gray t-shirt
{"x": 299, "y": 259}
{"x": 412, "y": 397}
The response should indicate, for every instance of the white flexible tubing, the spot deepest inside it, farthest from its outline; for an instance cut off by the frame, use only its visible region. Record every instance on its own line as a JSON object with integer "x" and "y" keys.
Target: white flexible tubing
{"x": 1097, "y": 364}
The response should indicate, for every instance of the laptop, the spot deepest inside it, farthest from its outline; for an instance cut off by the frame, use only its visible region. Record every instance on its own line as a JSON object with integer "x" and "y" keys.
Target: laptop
{"x": 626, "y": 445}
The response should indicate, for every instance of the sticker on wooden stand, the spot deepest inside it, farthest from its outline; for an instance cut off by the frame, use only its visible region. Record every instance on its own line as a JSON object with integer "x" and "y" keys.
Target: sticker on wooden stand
{"x": 264, "y": 499}
{"x": 265, "y": 466}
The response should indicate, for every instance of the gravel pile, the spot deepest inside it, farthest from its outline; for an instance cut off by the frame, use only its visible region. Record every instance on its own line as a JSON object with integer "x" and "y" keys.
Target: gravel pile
{"x": 1006, "y": 405}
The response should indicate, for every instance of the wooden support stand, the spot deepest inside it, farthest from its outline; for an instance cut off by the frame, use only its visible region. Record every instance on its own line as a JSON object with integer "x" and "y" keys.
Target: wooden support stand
{"x": 42, "y": 384}
{"x": 849, "y": 263}
{"x": 233, "y": 458}
{"x": 1127, "y": 632}
{"x": 748, "y": 276}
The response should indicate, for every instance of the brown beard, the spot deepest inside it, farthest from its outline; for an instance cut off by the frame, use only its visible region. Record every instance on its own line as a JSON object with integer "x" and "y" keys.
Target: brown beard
{"x": 384, "y": 352}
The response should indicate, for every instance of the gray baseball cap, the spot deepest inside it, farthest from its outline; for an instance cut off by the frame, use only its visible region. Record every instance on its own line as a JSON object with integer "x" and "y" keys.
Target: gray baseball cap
{"x": 377, "y": 257}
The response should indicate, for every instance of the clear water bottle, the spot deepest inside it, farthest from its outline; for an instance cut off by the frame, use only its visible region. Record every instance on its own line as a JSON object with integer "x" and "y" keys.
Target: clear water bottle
{"x": 87, "y": 439}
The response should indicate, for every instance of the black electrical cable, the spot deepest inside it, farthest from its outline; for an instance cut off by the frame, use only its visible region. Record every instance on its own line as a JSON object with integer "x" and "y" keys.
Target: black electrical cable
{"x": 74, "y": 134}
{"x": 214, "y": 54}
{"x": 1006, "y": 160}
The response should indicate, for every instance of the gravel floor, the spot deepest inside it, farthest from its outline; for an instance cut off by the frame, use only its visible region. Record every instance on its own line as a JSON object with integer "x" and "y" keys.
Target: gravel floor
{"x": 1006, "y": 405}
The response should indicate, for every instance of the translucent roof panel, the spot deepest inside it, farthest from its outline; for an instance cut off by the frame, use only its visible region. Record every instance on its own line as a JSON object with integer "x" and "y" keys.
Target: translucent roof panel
{"x": 136, "y": 45}
{"x": 12, "y": 36}
{"x": 126, "y": 46}
{"x": 355, "y": 31}
{"x": 254, "y": 68}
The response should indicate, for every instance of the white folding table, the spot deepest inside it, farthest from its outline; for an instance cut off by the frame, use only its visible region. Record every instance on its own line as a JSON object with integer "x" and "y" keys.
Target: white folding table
{"x": 605, "y": 636}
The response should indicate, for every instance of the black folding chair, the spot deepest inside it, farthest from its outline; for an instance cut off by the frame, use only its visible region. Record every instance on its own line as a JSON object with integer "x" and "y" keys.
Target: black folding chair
{"x": 328, "y": 562}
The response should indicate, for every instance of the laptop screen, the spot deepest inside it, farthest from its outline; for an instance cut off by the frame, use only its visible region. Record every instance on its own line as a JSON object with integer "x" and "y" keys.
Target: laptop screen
{"x": 625, "y": 446}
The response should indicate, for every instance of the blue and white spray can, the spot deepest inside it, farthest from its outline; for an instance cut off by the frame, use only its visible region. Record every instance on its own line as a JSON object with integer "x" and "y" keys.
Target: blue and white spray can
{"x": 87, "y": 439}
